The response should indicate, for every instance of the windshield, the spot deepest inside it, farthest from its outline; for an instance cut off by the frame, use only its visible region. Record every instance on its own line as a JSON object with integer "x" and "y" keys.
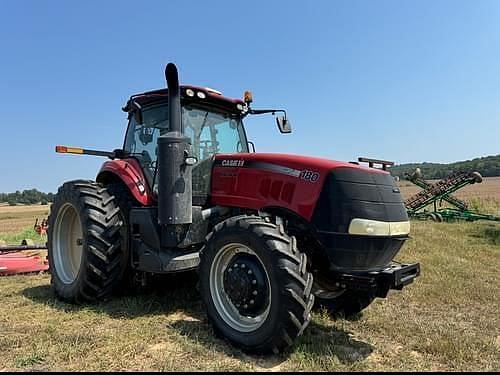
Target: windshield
{"x": 210, "y": 132}
{"x": 213, "y": 132}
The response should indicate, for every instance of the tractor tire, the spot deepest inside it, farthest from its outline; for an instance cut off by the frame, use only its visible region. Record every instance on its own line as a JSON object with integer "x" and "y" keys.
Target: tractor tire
{"x": 85, "y": 251}
{"x": 346, "y": 305}
{"x": 254, "y": 283}
{"x": 124, "y": 200}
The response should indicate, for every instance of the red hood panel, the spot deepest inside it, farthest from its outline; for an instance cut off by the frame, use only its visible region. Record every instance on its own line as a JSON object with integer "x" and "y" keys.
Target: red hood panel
{"x": 259, "y": 180}
{"x": 296, "y": 161}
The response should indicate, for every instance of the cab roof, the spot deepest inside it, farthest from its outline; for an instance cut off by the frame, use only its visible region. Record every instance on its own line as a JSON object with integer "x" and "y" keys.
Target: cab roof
{"x": 202, "y": 95}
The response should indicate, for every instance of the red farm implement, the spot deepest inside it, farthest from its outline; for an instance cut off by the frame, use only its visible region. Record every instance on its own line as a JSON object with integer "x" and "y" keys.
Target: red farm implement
{"x": 26, "y": 257}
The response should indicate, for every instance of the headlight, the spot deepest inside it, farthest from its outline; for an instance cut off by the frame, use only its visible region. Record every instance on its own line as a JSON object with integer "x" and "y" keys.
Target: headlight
{"x": 365, "y": 227}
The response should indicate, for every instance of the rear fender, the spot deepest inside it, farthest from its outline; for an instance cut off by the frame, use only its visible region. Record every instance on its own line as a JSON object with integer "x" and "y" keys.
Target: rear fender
{"x": 129, "y": 172}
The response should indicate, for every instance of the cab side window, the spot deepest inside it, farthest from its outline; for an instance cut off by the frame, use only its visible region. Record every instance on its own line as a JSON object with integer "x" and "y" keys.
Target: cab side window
{"x": 141, "y": 140}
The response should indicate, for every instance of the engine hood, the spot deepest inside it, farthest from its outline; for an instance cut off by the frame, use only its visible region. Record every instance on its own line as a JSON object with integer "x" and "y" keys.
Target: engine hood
{"x": 296, "y": 163}
{"x": 261, "y": 180}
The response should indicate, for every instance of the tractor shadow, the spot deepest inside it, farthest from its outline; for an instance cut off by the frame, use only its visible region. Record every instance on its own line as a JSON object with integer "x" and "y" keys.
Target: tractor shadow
{"x": 178, "y": 297}
{"x": 319, "y": 342}
{"x": 167, "y": 295}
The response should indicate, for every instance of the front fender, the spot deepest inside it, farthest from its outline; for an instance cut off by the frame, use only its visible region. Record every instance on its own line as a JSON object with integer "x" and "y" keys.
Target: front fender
{"x": 129, "y": 172}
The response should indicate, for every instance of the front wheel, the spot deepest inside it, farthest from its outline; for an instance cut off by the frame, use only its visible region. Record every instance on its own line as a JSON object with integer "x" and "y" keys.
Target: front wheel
{"x": 255, "y": 285}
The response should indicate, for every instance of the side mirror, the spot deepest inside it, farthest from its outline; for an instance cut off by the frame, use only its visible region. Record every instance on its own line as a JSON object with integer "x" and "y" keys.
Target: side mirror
{"x": 284, "y": 124}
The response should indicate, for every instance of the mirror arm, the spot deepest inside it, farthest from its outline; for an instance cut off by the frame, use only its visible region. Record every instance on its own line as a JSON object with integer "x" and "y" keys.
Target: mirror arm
{"x": 264, "y": 111}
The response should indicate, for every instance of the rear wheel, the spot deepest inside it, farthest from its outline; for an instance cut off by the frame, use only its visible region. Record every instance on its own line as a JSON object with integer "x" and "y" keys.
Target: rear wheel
{"x": 85, "y": 251}
{"x": 130, "y": 282}
{"x": 254, "y": 283}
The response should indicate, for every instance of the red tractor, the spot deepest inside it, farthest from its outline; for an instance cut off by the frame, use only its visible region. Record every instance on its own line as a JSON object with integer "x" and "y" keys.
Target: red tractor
{"x": 272, "y": 236}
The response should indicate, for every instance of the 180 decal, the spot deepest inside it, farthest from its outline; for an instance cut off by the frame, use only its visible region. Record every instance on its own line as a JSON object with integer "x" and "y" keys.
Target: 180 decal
{"x": 309, "y": 176}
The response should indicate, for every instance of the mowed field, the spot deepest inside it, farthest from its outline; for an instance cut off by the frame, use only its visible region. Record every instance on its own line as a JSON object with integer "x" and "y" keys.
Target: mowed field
{"x": 447, "y": 320}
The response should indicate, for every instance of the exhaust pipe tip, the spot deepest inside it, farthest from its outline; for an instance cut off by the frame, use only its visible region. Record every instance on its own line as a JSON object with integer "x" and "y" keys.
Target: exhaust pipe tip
{"x": 174, "y": 98}
{"x": 172, "y": 77}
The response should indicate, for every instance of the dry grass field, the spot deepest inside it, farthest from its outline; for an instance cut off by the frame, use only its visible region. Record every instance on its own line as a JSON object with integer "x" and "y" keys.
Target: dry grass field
{"x": 447, "y": 320}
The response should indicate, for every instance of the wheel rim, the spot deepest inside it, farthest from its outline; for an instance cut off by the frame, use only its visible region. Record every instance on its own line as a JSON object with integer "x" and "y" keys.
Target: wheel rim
{"x": 68, "y": 244}
{"x": 240, "y": 287}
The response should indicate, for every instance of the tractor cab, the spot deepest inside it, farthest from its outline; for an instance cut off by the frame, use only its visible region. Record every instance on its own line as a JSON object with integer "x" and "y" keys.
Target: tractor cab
{"x": 212, "y": 129}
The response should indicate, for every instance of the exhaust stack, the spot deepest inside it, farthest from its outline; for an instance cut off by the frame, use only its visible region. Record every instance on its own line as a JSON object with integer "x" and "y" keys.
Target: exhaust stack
{"x": 174, "y": 175}
{"x": 174, "y": 98}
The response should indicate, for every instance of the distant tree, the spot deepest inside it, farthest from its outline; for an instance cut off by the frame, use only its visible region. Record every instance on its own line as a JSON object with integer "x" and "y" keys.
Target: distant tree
{"x": 488, "y": 166}
{"x": 28, "y": 196}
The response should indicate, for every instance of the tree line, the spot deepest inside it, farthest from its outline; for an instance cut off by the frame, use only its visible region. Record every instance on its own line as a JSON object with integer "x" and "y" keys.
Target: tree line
{"x": 488, "y": 166}
{"x": 29, "y": 196}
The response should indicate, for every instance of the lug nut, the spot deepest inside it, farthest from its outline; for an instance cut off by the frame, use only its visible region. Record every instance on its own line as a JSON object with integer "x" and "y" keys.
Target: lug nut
{"x": 254, "y": 292}
{"x": 252, "y": 302}
{"x": 254, "y": 282}
{"x": 250, "y": 272}
{"x": 245, "y": 306}
{"x": 243, "y": 266}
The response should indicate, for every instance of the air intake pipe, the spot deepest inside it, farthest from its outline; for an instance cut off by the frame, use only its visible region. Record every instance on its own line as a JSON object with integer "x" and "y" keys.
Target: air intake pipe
{"x": 174, "y": 175}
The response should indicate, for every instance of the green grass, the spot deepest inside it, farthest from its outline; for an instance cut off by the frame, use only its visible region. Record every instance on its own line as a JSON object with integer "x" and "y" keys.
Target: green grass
{"x": 28, "y": 233}
{"x": 447, "y": 320}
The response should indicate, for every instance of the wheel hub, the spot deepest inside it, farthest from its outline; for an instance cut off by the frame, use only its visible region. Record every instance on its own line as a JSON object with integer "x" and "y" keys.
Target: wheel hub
{"x": 245, "y": 284}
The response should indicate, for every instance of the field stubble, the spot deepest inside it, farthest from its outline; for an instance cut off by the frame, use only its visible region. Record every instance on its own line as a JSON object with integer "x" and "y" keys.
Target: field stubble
{"x": 447, "y": 320}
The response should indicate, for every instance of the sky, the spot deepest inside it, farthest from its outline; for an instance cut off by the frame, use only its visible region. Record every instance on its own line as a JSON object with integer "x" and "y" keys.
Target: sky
{"x": 400, "y": 80}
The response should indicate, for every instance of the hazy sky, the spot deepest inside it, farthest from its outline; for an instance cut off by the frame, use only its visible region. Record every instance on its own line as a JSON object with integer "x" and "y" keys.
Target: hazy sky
{"x": 400, "y": 80}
